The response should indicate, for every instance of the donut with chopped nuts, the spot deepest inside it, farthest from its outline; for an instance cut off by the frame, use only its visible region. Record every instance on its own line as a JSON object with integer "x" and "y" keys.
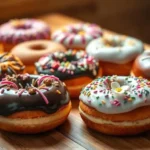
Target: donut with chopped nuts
{"x": 32, "y": 103}
{"x": 116, "y": 105}
{"x": 75, "y": 68}
{"x": 10, "y": 64}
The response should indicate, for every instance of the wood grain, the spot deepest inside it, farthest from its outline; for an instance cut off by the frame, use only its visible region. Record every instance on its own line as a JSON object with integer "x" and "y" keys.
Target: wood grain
{"x": 73, "y": 134}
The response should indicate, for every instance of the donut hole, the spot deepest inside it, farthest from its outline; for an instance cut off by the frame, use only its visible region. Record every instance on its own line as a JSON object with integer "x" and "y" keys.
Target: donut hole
{"x": 38, "y": 47}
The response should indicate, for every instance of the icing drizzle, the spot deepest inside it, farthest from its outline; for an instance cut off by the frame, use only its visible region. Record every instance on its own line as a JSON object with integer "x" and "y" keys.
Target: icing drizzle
{"x": 77, "y": 35}
{"x": 16, "y": 31}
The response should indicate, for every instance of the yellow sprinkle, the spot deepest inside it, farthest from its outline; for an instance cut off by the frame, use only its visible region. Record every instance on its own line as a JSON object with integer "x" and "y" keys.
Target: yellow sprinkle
{"x": 103, "y": 102}
{"x": 57, "y": 91}
{"x": 142, "y": 84}
{"x": 129, "y": 99}
{"x": 140, "y": 77}
{"x": 118, "y": 89}
{"x": 67, "y": 64}
{"x": 81, "y": 32}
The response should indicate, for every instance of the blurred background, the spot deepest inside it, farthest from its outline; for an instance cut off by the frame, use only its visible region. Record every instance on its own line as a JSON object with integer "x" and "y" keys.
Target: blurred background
{"x": 130, "y": 17}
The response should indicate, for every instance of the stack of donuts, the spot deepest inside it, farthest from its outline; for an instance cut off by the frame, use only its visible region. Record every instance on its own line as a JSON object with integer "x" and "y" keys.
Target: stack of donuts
{"x": 41, "y": 70}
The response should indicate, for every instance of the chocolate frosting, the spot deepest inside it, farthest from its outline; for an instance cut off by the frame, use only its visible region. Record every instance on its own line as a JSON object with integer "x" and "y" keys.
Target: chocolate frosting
{"x": 32, "y": 92}
{"x": 68, "y": 65}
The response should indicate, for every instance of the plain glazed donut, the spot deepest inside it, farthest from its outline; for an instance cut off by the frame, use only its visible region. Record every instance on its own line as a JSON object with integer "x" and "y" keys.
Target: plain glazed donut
{"x": 115, "y": 53}
{"x": 21, "y": 30}
{"x": 141, "y": 65}
{"x": 10, "y": 64}
{"x": 32, "y": 103}
{"x": 29, "y": 52}
{"x": 75, "y": 68}
{"x": 117, "y": 105}
{"x": 77, "y": 36}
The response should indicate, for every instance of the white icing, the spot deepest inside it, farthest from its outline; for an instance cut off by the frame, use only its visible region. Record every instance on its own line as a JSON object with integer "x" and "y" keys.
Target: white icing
{"x": 71, "y": 32}
{"x": 105, "y": 97}
{"x": 125, "y": 50}
{"x": 123, "y": 123}
{"x": 143, "y": 62}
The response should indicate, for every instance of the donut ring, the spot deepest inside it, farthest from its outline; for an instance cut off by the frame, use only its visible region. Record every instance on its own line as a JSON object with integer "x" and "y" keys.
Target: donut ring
{"x": 10, "y": 64}
{"x": 115, "y": 104}
{"x": 115, "y": 49}
{"x": 115, "y": 53}
{"x": 32, "y": 103}
{"x": 77, "y": 36}
{"x": 29, "y": 52}
{"x": 75, "y": 68}
{"x": 17, "y": 31}
{"x": 141, "y": 65}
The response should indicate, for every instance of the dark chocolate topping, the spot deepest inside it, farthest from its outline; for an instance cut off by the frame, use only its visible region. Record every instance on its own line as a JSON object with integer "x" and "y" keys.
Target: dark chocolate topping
{"x": 68, "y": 65}
{"x": 32, "y": 92}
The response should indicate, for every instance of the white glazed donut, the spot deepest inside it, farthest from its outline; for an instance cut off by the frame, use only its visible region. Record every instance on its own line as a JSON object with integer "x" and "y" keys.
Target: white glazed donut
{"x": 116, "y": 105}
{"x": 116, "y": 94}
{"x": 77, "y": 35}
{"x": 117, "y": 49}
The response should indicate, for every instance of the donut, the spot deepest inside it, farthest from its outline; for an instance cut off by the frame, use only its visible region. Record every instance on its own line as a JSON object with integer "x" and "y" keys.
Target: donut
{"x": 141, "y": 65}
{"x": 10, "y": 64}
{"x": 29, "y": 52}
{"x": 32, "y": 103}
{"x": 73, "y": 67}
{"x": 116, "y": 53}
{"x": 77, "y": 36}
{"x": 20, "y": 30}
{"x": 116, "y": 105}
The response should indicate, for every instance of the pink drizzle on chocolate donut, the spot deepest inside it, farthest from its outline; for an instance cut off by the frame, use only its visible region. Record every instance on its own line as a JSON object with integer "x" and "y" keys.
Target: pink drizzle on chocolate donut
{"x": 32, "y": 92}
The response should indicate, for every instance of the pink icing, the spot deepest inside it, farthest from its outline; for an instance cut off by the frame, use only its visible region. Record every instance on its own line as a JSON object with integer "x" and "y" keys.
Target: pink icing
{"x": 32, "y": 30}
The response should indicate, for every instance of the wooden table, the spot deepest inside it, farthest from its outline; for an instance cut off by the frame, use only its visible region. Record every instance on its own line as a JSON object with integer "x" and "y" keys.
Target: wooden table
{"x": 73, "y": 134}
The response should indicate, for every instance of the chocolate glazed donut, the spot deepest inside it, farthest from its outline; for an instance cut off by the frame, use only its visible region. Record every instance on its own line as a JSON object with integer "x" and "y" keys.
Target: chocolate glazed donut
{"x": 31, "y": 92}
{"x": 32, "y": 103}
{"x": 141, "y": 66}
{"x": 68, "y": 65}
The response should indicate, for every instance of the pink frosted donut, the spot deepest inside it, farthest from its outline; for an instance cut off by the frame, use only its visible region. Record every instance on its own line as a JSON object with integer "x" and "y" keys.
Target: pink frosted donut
{"x": 77, "y": 36}
{"x": 17, "y": 31}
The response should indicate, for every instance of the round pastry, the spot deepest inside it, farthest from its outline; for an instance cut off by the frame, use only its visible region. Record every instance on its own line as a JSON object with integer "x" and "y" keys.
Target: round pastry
{"x": 116, "y": 105}
{"x": 141, "y": 65}
{"x": 77, "y": 36}
{"x": 115, "y": 53}
{"x": 32, "y": 103}
{"x": 10, "y": 64}
{"x": 75, "y": 68}
{"x": 17, "y": 31}
{"x": 29, "y": 52}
